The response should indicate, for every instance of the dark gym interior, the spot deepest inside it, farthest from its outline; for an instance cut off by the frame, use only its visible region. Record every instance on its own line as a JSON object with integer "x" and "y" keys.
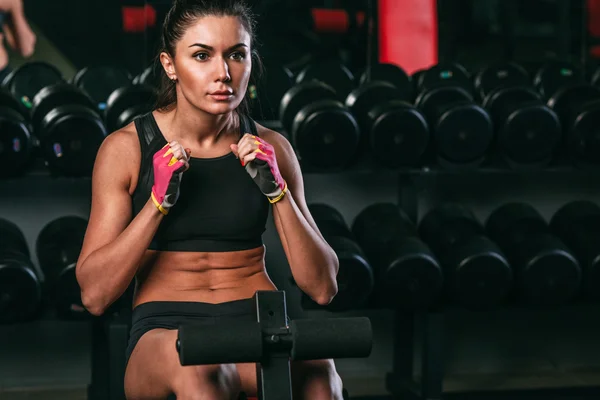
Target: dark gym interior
{"x": 454, "y": 170}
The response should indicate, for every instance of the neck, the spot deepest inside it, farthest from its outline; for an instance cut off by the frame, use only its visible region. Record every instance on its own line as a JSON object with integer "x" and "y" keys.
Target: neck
{"x": 199, "y": 127}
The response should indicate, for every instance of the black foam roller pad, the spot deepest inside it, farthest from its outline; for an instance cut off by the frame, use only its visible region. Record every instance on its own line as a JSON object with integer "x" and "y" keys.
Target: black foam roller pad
{"x": 317, "y": 339}
{"x": 227, "y": 342}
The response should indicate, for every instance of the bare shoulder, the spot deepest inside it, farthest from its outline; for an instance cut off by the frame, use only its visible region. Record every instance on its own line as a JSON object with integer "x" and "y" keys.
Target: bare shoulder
{"x": 120, "y": 154}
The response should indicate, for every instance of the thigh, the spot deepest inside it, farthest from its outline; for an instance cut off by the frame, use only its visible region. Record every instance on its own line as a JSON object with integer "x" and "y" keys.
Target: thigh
{"x": 154, "y": 371}
{"x": 310, "y": 379}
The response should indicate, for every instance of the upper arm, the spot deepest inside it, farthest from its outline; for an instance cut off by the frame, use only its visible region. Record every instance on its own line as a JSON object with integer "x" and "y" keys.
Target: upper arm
{"x": 289, "y": 167}
{"x": 111, "y": 199}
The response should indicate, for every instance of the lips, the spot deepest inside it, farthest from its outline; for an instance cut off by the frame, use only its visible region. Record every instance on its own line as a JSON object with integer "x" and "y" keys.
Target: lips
{"x": 222, "y": 93}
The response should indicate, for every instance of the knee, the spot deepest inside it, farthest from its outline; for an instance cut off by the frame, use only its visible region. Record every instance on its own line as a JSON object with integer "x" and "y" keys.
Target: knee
{"x": 208, "y": 382}
{"x": 317, "y": 380}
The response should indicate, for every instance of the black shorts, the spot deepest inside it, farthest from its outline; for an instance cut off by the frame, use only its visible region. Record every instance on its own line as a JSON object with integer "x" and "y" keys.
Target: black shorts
{"x": 172, "y": 314}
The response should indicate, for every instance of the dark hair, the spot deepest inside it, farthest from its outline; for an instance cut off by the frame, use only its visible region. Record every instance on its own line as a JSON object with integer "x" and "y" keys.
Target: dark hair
{"x": 180, "y": 17}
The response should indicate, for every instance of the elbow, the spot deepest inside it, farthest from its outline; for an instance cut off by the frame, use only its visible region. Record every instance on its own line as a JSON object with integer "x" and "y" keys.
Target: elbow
{"x": 330, "y": 289}
{"x": 327, "y": 295}
{"x": 92, "y": 304}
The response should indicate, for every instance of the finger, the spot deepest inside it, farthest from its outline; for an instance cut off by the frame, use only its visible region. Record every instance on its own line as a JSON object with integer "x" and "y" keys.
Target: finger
{"x": 234, "y": 149}
{"x": 179, "y": 166}
{"x": 246, "y": 148}
{"x": 248, "y": 158}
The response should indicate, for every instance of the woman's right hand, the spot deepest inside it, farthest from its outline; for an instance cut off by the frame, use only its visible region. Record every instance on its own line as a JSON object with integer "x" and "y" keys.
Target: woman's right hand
{"x": 170, "y": 163}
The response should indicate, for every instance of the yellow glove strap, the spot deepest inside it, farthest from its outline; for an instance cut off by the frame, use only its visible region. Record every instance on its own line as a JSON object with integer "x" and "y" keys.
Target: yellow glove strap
{"x": 163, "y": 210}
{"x": 280, "y": 196}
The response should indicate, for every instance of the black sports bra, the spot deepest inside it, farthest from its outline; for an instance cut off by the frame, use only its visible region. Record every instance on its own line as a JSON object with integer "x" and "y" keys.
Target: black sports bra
{"x": 219, "y": 208}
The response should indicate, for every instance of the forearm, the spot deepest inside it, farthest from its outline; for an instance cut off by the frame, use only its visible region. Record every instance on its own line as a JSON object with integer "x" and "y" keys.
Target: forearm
{"x": 107, "y": 272}
{"x": 313, "y": 263}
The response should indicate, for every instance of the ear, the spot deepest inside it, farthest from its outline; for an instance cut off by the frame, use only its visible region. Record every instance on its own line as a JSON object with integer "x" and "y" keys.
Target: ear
{"x": 168, "y": 65}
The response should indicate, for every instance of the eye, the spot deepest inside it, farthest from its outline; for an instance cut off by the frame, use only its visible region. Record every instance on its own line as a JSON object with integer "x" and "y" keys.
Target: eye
{"x": 201, "y": 56}
{"x": 238, "y": 56}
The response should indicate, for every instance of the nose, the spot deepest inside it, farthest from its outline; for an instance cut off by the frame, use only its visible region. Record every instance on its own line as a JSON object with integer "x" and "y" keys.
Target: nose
{"x": 222, "y": 71}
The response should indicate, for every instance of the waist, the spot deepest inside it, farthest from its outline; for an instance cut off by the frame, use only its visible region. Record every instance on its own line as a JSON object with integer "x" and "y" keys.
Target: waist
{"x": 142, "y": 311}
{"x": 205, "y": 245}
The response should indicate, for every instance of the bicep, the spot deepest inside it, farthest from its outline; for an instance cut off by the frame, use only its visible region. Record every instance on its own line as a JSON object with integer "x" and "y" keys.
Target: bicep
{"x": 111, "y": 202}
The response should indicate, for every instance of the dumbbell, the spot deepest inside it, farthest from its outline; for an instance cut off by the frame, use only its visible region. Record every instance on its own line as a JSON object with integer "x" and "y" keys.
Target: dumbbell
{"x": 556, "y": 74}
{"x": 265, "y": 94}
{"x": 20, "y": 287}
{"x": 407, "y": 273}
{"x": 332, "y": 73}
{"x": 461, "y": 130}
{"x": 16, "y": 139}
{"x": 355, "y": 276}
{"x": 28, "y": 79}
{"x": 69, "y": 128}
{"x": 58, "y": 246}
{"x": 578, "y": 109}
{"x": 98, "y": 82}
{"x": 546, "y": 272}
{"x": 477, "y": 274}
{"x": 577, "y": 224}
{"x": 395, "y": 131}
{"x": 390, "y": 73}
{"x": 321, "y": 128}
{"x": 527, "y": 131}
{"x": 150, "y": 76}
{"x": 127, "y": 103}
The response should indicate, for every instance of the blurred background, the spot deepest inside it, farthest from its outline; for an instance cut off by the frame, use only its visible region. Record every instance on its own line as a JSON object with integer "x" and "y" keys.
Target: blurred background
{"x": 450, "y": 153}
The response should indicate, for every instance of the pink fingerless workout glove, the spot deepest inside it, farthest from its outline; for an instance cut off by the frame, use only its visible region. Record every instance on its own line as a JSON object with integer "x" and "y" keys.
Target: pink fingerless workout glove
{"x": 167, "y": 177}
{"x": 265, "y": 172}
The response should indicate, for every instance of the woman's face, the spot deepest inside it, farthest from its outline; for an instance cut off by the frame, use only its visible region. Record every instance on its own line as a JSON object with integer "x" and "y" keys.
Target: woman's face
{"x": 213, "y": 64}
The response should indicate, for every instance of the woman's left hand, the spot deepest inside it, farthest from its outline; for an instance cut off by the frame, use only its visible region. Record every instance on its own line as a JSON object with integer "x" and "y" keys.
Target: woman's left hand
{"x": 259, "y": 159}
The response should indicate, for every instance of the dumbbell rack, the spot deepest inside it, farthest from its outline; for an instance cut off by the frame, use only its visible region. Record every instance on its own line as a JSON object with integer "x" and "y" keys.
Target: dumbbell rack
{"x": 430, "y": 326}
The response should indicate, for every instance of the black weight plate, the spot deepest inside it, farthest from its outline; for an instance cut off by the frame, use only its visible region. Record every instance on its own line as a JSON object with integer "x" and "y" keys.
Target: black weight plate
{"x": 439, "y": 97}
{"x": 390, "y": 73}
{"x": 15, "y": 143}
{"x": 324, "y": 212}
{"x": 59, "y": 243}
{"x": 151, "y": 76}
{"x": 577, "y": 214}
{"x": 54, "y": 96}
{"x": 500, "y": 75}
{"x": 9, "y": 101}
{"x": 508, "y": 98}
{"x": 20, "y": 292}
{"x": 378, "y": 225}
{"x": 300, "y": 96}
{"x": 333, "y": 74}
{"x": 443, "y": 75}
{"x": 13, "y": 240}
{"x": 412, "y": 277}
{"x": 27, "y": 80}
{"x": 363, "y": 98}
{"x": 447, "y": 225}
{"x": 547, "y": 272}
{"x": 513, "y": 223}
{"x": 556, "y": 74}
{"x": 355, "y": 277}
{"x": 530, "y": 134}
{"x": 463, "y": 133}
{"x": 265, "y": 96}
{"x": 481, "y": 276}
{"x": 398, "y": 133}
{"x": 72, "y": 136}
{"x": 138, "y": 97}
{"x": 100, "y": 81}
{"x": 572, "y": 97}
{"x": 583, "y": 137}
{"x": 325, "y": 134}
